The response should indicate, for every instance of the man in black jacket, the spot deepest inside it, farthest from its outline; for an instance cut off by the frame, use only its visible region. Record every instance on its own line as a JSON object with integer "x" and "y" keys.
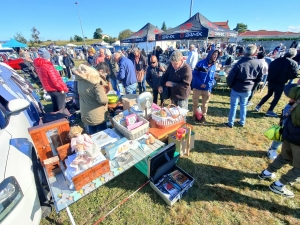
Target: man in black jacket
{"x": 246, "y": 73}
{"x": 153, "y": 75}
{"x": 280, "y": 71}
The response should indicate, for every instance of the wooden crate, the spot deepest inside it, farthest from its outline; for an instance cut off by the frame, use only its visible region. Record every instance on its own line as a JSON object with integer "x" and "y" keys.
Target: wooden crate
{"x": 88, "y": 175}
{"x": 40, "y": 139}
{"x": 62, "y": 147}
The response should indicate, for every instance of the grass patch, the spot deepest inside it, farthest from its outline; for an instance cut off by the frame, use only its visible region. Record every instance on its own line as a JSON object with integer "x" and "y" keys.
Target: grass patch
{"x": 224, "y": 163}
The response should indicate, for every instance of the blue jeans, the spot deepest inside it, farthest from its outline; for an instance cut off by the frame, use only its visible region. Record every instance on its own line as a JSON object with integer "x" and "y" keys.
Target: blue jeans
{"x": 114, "y": 84}
{"x": 235, "y": 97}
{"x": 94, "y": 129}
{"x": 131, "y": 89}
{"x": 142, "y": 85}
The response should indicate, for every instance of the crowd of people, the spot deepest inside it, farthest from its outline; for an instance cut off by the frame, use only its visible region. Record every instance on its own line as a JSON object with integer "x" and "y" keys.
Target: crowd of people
{"x": 133, "y": 68}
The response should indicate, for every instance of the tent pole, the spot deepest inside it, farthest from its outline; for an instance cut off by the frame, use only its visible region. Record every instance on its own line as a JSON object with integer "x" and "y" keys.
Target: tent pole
{"x": 191, "y": 6}
{"x": 206, "y": 43}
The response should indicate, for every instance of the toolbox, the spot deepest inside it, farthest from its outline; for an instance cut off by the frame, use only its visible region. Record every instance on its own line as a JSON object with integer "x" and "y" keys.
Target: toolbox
{"x": 168, "y": 180}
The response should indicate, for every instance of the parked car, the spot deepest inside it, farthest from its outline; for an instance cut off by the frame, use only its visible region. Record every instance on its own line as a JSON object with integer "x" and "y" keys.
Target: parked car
{"x": 185, "y": 53}
{"x": 22, "y": 182}
{"x": 7, "y": 50}
{"x": 11, "y": 60}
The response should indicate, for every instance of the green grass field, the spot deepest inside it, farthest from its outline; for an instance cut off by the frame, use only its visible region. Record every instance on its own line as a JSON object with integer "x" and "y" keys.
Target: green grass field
{"x": 225, "y": 164}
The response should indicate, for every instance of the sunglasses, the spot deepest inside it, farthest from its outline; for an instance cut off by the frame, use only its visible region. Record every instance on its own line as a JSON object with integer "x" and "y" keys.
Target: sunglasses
{"x": 152, "y": 62}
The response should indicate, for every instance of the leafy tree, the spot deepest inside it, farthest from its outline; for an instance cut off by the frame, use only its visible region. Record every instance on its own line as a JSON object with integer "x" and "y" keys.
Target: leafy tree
{"x": 240, "y": 27}
{"x": 164, "y": 27}
{"x": 77, "y": 38}
{"x": 110, "y": 40}
{"x": 98, "y": 33}
{"x": 35, "y": 35}
{"x": 31, "y": 43}
{"x": 19, "y": 37}
{"x": 124, "y": 34}
{"x": 71, "y": 39}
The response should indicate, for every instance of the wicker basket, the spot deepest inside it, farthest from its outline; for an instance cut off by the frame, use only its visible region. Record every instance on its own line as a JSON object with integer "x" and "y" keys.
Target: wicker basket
{"x": 133, "y": 134}
{"x": 171, "y": 119}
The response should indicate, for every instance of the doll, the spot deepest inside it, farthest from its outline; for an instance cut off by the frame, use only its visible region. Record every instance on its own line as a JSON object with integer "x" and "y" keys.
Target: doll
{"x": 78, "y": 138}
{"x": 83, "y": 159}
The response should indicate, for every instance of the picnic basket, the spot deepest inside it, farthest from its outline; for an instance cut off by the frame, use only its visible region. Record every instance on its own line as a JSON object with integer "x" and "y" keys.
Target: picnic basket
{"x": 132, "y": 134}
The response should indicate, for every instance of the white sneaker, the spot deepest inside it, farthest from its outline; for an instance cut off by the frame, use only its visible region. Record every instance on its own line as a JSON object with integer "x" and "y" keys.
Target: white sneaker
{"x": 272, "y": 154}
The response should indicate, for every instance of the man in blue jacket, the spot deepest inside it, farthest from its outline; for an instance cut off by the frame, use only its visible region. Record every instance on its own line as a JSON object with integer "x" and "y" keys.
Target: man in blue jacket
{"x": 246, "y": 73}
{"x": 203, "y": 78}
{"x": 126, "y": 73}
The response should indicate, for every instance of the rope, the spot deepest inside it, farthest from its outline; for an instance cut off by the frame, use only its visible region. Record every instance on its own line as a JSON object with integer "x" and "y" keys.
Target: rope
{"x": 121, "y": 203}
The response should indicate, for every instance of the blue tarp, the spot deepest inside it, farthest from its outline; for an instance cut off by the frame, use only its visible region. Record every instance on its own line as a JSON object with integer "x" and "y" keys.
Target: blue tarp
{"x": 13, "y": 44}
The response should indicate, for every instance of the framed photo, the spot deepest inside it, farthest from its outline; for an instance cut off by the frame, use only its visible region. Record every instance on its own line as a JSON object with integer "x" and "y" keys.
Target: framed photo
{"x": 131, "y": 119}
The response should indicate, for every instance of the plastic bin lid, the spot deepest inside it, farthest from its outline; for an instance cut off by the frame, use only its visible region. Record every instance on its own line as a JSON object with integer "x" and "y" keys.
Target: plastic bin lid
{"x": 162, "y": 161}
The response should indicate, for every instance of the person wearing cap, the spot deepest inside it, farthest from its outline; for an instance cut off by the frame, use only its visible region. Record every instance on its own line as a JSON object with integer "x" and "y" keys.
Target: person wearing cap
{"x": 177, "y": 77}
{"x": 280, "y": 71}
{"x": 114, "y": 69}
{"x": 192, "y": 58}
{"x": 244, "y": 75}
{"x": 202, "y": 83}
{"x": 51, "y": 80}
{"x": 290, "y": 151}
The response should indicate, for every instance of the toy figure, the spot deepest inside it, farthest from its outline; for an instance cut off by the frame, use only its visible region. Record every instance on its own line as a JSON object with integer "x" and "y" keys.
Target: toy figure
{"x": 181, "y": 132}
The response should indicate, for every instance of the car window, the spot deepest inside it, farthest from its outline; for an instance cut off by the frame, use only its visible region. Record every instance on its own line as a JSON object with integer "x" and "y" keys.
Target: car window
{"x": 3, "y": 111}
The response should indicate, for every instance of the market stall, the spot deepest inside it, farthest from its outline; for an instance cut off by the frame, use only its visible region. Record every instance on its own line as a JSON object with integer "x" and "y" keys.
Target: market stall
{"x": 196, "y": 27}
{"x": 145, "y": 36}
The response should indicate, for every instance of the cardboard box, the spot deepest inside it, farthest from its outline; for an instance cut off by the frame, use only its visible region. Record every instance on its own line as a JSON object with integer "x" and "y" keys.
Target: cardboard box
{"x": 128, "y": 101}
{"x": 114, "y": 149}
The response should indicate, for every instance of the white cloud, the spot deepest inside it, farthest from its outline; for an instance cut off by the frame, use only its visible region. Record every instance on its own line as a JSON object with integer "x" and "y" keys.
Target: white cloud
{"x": 294, "y": 28}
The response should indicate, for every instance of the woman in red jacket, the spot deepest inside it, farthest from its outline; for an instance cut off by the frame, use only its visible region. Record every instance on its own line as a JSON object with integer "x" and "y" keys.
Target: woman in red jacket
{"x": 51, "y": 80}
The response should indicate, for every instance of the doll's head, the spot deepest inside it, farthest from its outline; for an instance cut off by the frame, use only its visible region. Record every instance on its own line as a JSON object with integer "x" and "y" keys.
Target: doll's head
{"x": 75, "y": 131}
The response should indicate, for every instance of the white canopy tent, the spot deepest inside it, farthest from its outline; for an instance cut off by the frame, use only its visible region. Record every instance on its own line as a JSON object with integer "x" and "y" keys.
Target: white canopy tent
{"x": 71, "y": 45}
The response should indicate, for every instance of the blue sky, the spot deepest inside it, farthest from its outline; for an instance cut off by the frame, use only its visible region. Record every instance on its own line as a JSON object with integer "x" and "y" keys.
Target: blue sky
{"x": 58, "y": 19}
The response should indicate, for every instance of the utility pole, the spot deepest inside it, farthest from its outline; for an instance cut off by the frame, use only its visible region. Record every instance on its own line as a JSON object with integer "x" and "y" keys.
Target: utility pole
{"x": 76, "y": 3}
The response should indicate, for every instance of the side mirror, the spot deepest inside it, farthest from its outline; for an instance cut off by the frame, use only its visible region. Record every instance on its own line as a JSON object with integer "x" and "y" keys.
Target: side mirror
{"x": 16, "y": 106}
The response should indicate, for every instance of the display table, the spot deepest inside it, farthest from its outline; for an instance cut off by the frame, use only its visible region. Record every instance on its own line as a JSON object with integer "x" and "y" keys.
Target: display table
{"x": 63, "y": 195}
{"x": 162, "y": 134}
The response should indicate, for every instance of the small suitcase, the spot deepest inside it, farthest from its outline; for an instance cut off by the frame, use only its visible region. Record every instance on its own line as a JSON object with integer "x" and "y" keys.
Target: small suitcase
{"x": 160, "y": 166}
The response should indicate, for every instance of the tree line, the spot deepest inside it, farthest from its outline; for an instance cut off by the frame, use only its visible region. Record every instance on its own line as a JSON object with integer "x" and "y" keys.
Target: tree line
{"x": 98, "y": 34}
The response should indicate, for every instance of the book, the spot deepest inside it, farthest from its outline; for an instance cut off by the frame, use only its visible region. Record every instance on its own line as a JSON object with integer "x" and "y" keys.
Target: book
{"x": 179, "y": 178}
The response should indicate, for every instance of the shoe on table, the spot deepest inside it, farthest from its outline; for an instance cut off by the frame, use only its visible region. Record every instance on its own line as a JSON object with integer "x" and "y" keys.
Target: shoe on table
{"x": 203, "y": 119}
{"x": 257, "y": 108}
{"x": 281, "y": 190}
{"x": 271, "y": 114}
{"x": 263, "y": 176}
{"x": 272, "y": 154}
{"x": 228, "y": 125}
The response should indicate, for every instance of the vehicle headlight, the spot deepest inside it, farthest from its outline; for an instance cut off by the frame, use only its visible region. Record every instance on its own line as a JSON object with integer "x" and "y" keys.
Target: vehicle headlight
{"x": 10, "y": 195}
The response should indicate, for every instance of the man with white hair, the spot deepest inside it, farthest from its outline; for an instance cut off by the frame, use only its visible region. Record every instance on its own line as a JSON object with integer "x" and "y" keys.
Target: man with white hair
{"x": 245, "y": 74}
{"x": 280, "y": 71}
{"x": 114, "y": 69}
{"x": 178, "y": 77}
{"x": 126, "y": 73}
{"x": 192, "y": 57}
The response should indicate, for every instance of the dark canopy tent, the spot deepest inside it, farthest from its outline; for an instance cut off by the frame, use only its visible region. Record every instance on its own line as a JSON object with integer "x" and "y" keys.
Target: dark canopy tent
{"x": 146, "y": 34}
{"x": 197, "y": 27}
